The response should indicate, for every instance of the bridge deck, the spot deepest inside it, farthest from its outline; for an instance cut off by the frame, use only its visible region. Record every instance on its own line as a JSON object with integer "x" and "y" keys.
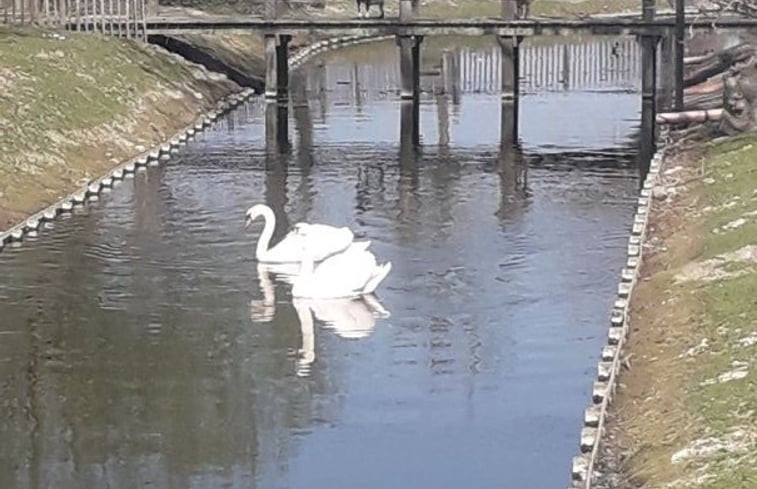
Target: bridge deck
{"x": 427, "y": 27}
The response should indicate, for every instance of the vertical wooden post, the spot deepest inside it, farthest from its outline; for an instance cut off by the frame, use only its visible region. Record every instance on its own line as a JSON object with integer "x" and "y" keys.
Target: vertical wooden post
{"x": 119, "y": 10}
{"x": 648, "y": 89}
{"x": 270, "y": 9}
{"x": 679, "y": 52}
{"x": 127, "y": 18}
{"x": 144, "y": 20}
{"x": 566, "y": 66}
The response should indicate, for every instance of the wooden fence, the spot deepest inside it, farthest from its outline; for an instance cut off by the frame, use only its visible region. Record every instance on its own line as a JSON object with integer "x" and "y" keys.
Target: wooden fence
{"x": 124, "y": 18}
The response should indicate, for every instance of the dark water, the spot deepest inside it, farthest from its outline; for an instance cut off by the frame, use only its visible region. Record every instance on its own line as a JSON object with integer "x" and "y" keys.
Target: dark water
{"x": 137, "y": 348}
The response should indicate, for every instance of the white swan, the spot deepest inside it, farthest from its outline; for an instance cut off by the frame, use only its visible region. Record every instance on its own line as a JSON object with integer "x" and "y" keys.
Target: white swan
{"x": 319, "y": 240}
{"x": 350, "y": 273}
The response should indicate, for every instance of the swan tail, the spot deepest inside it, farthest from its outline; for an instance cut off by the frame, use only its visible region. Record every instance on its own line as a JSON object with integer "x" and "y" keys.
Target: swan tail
{"x": 380, "y": 274}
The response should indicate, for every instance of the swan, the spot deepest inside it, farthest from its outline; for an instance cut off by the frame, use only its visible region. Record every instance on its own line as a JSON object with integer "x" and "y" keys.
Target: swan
{"x": 350, "y": 273}
{"x": 320, "y": 240}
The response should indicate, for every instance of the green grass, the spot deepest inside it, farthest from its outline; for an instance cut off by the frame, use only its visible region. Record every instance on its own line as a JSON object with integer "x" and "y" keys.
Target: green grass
{"x": 78, "y": 83}
{"x": 72, "y": 108}
{"x": 729, "y": 314}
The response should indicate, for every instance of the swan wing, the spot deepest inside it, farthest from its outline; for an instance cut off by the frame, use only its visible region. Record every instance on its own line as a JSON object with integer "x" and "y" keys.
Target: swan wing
{"x": 344, "y": 274}
{"x": 323, "y": 241}
{"x": 378, "y": 274}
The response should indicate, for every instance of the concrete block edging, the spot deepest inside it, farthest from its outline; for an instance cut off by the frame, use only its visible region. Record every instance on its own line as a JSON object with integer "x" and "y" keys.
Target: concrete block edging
{"x": 609, "y": 365}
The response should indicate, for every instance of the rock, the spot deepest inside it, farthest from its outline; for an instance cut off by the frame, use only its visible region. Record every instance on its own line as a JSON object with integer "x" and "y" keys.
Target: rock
{"x": 735, "y": 224}
{"x": 660, "y": 193}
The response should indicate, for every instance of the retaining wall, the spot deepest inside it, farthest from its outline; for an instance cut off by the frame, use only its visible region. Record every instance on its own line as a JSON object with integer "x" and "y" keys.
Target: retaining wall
{"x": 610, "y": 362}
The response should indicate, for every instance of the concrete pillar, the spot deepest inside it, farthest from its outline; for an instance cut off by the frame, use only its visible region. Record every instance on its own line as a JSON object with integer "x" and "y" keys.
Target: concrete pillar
{"x": 276, "y": 66}
{"x": 410, "y": 61}
{"x": 510, "y": 88}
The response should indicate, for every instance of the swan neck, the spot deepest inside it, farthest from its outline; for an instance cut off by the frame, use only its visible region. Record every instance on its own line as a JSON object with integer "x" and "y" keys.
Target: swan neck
{"x": 265, "y": 237}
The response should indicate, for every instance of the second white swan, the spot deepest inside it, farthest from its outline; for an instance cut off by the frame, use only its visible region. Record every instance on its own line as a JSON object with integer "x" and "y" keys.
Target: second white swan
{"x": 350, "y": 273}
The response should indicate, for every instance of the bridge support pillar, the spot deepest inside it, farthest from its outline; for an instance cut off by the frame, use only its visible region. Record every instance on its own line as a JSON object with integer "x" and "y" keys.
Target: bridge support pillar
{"x": 648, "y": 91}
{"x": 277, "y": 66}
{"x": 510, "y": 66}
{"x": 410, "y": 66}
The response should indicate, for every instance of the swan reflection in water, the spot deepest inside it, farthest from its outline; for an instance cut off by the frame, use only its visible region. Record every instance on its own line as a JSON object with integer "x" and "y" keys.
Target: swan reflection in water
{"x": 349, "y": 318}
{"x": 352, "y": 318}
{"x": 263, "y": 310}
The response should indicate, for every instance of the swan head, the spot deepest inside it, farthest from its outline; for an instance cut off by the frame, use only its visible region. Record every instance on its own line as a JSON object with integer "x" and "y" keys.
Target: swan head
{"x": 254, "y": 212}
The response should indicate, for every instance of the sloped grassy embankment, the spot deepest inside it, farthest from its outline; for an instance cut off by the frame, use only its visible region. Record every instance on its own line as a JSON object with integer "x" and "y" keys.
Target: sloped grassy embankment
{"x": 686, "y": 413}
{"x": 72, "y": 107}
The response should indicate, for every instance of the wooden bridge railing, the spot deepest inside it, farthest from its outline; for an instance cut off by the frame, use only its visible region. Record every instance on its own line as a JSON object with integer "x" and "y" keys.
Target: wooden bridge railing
{"x": 125, "y": 18}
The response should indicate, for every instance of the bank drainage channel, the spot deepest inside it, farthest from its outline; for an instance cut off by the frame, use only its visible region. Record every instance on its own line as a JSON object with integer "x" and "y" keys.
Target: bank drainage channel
{"x": 159, "y": 154}
{"x": 608, "y": 368}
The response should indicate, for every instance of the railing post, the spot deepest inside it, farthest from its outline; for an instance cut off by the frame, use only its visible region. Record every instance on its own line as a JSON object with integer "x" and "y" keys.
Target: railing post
{"x": 407, "y": 9}
{"x": 269, "y": 9}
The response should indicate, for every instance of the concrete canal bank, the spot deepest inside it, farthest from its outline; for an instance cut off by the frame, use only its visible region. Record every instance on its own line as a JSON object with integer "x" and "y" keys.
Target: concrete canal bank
{"x": 683, "y": 414}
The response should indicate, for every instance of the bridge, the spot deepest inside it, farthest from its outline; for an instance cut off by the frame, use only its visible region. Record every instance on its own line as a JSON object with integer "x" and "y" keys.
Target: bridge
{"x": 619, "y": 26}
{"x": 660, "y": 38}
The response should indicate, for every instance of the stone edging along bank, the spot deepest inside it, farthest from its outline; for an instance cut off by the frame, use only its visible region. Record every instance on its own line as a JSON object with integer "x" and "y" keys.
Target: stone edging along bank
{"x": 158, "y": 154}
{"x": 610, "y": 361}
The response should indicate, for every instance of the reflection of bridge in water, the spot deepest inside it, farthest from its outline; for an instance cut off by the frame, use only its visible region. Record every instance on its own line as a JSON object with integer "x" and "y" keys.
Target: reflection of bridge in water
{"x": 591, "y": 64}
{"x": 355, "y": 76}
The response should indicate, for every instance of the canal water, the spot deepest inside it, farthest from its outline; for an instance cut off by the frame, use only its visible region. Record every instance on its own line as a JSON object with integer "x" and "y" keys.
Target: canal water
{"x": 141, "y": 345}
